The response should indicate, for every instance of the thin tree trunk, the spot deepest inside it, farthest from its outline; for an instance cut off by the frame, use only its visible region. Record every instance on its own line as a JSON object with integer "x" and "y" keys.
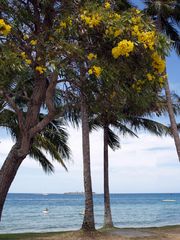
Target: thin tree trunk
{"x": 88, "y": 221}
{"x": 169, "y": 103}
{"x": 7, "y": 173}
{"x": 107, "y": 206}
{"x": 172, "y": 118}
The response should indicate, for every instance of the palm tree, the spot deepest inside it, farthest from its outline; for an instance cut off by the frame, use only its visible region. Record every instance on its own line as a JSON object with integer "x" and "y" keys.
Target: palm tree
{"x": 52, "y": 141}
{"x": 129, "y": 124}
{"x": 166, "y": 14}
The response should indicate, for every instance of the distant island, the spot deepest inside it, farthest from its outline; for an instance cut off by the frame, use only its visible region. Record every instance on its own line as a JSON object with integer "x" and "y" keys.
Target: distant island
{"x": 76, "y": 193}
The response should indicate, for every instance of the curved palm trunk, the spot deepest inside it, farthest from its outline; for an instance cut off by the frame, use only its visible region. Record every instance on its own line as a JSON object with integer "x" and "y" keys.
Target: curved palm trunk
{"x": 107, "y": 207}
{"x": 169, "y": 104}
{"x": 172, "y": 118}
{"x": 88, "y": 222}
{"x": 7, "y": 174}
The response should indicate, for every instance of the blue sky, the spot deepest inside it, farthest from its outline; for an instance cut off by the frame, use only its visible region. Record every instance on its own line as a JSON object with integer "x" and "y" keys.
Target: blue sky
{"x": 146, "y": 164}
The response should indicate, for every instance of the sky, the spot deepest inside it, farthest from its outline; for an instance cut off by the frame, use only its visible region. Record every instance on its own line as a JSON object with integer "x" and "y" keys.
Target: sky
{"x": 147, "y": 164}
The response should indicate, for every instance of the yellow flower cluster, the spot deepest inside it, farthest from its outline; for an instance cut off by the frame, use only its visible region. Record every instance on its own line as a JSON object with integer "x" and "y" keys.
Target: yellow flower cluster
{"x": 4, "y": 28}
{"x": 63, "y": 24}
{"x": 158, "y": 63}
{"x": 25, "y": 58}
{"x": 95, "y": 70}
{"x": 92, "y": 21}
{"x": 123, "y": 48}
{"x": 136, "y": 19}
{"x": 117, "y": 33}
{"x": 147, "y": 38}
{"x": 91, "y": 56}
{"x": 135, "y": 30}
{"x": 25, "y": 37}
{"x": 40, "y": 69}
{"x": 112, "y": 31}
{"x": 150, "y": 77}
{"x": 107, "y": 5}
{"x": 33, "y": 42}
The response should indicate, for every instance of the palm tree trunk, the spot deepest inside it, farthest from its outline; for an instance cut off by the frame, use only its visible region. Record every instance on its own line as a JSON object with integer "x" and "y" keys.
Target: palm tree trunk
{"x": 88, "y": 221}
{"x": 107, "y": 207}
{"x": 172, "y": 118}
{"x": 7, "y": 174}
{"x": 169, "y": 104}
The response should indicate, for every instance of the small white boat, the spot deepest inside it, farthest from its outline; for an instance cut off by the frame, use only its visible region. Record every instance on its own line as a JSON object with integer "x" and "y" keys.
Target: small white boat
{"x": 169, "y": 200}
{"x": 81, "y": 213}
{"x": 45, "y": 211}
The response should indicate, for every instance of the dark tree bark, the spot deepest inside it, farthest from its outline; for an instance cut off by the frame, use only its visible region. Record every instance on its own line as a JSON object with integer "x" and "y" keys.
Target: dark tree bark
{"x": 8, "y": 173}
{"x": 88, "y": 221}
{"x": 108, "y": 223}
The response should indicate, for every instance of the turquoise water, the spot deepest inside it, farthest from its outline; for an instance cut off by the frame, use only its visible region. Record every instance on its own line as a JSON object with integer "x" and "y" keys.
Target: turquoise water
{"x": 24, "y": 212}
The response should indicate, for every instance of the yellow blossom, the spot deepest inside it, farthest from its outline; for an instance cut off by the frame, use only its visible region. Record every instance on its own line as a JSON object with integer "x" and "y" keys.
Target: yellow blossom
{"x": 63, "y": 24}
{"x": 117, "y": 33}
{"x": 135, "y": 30}
{"x": 2, "y": 22}
{"x": 150, "y": 77}
{"x": 93, "y": 20}
{"x": 40, "y": 69}
{"x": 95, "y": 70}
{"x": 136, "y": 20}
{"x": 147, "y": 38}
{"x": 91, "y": 56}
{"x": 138, "y": 11}
{"x": 28, "y": 61}
{"x": 123, "y": 48}
{"x": 7, "y": 29}
{"x": 33, "y": 42}
{"x": 90, "y": 71}
{"x": 4, "y": 28}
{"x": 23, "y": 55}
{"x": 107, "y": 5}
{"x": 25, "y": 37}
{"x": 116, "y": 16}
{"x": 158, "y": 63}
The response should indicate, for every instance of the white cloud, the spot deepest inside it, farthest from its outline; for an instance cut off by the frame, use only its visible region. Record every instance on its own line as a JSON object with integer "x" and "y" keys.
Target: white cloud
{"x": 144, "y": 164}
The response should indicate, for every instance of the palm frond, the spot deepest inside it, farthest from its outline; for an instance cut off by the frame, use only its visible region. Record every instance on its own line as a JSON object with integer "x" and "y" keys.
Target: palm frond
{"x": 149, "y": 125}
{"x": 113, "y": 140}
{"x": 37, "y": 154}
{"x": 123, "y": 129}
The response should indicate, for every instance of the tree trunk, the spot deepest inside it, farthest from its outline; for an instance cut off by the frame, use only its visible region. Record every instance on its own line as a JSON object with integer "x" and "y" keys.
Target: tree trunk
{"x": 107, "y": 207}
{"x": 172, "y": 118}
{"x": 8, "y": 172}
{"x": 169, "y": 103}
{"x": 88, "y": 221}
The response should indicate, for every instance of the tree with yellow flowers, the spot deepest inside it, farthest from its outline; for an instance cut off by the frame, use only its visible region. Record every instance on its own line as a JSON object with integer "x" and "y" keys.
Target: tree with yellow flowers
{"x": 51, "y": 51}
{"x": 117, "y": 48}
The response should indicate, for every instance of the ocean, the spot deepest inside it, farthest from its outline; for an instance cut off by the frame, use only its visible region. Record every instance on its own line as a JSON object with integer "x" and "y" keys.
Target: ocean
{"x": 24, "y": 212}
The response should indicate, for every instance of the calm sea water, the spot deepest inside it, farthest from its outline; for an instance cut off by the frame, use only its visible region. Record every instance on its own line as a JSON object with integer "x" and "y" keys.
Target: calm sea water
{"x": 24, "y": 212}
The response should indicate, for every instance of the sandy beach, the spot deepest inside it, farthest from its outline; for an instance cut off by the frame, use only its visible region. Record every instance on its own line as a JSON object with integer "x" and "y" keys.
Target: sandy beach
{"x": 163, "y": 233}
